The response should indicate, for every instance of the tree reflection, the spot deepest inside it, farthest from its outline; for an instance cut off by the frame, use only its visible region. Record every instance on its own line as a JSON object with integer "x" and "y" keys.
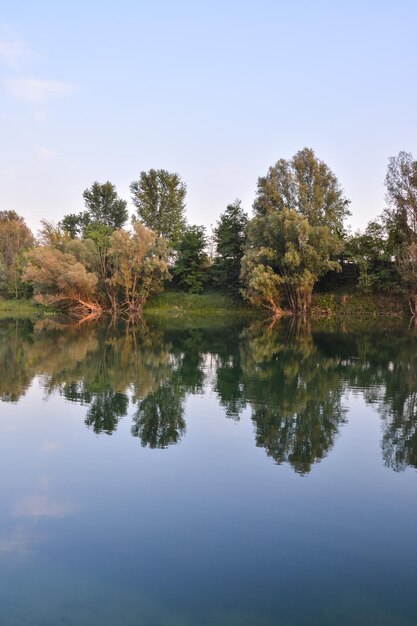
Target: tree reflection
{"x": 399, "y": 409}
{"x": 159, "y": 418}
{"x": 290, "y": 377}
{"x": 295, "y": 394}
{"x": 15, "y": 376}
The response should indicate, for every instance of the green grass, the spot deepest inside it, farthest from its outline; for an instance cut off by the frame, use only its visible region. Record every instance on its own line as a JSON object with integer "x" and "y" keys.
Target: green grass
{"x": 21, "y": 308}
{"x": 354, "y": 304}
{"x": 211, "y": 303}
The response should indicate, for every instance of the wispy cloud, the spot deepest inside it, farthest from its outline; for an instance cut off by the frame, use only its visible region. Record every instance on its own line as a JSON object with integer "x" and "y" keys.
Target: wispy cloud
{"x": 12, "y": 49}
{"x": 11, "y": 52}
{"x": 46, "y": 153}
{"x": 38, "y": 91}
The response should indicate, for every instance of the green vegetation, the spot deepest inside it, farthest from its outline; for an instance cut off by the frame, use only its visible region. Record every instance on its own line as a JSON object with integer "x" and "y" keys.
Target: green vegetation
{"x": 22, "y": 308}
{"x": 296, "y": 233}
{"x": 230, "y": 239}
{"x": 159, "y": 197}
{"x": 192, "y": 260}
{"x": 177, "y": 303}
{"x": 357, "y": 305}
{"x": 91, "y": 262}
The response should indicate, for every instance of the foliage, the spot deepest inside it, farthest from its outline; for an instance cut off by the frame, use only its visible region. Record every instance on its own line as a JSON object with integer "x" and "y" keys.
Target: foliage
{"x": 306, "y": 185}
{"x": 285, "y": 256}
{"x": 401, "y": 219}
{"x": 296, "y": 232}
{"x": 230, "y": 238}
{"x": 15, "y": 239}
{"x": 192, "y": 261}
{"x": 159, "y": 197}
{"x": 103, "y": 207}
{"x": 370, "y": 251}
{"x": 60, "y": 279}
{"x": 139, "y": 263}
{"x": 177, "y": 303}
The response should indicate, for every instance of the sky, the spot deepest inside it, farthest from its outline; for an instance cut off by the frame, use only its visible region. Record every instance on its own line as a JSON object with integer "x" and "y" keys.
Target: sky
{"x": 216, "y": 91}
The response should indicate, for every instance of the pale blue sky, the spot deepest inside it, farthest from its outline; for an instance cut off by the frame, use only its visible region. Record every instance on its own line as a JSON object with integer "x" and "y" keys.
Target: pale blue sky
{"x": 216, "y": 91}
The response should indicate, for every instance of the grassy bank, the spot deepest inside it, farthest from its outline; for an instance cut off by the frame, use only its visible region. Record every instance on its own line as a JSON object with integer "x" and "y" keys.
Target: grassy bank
{"x": 179, "y": 303}
{"x": 22, "y": 309}
{"x": 324, "y": 304}
{"x": 358, "y": 305}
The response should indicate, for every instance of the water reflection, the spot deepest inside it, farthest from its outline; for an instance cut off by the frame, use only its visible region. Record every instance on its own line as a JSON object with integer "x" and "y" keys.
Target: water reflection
{"x": 295, "y": 393}
{"x": 291, "y": 378}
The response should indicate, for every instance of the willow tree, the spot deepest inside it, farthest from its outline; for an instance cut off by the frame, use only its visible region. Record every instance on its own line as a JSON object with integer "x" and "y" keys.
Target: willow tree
{"x": 296, "y": 233}
{"x": 61, "y": 280}
{"x": 285, "y": 257}
{"x": 401, "y": 220}
{"x": 139, "y": 262}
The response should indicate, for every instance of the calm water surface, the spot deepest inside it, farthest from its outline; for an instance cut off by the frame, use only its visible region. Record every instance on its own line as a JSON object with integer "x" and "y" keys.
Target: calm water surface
{"x": 220, "y": 474}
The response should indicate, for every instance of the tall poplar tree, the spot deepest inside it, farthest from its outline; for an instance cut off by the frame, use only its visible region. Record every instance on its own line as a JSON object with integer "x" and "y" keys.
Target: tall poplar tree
{"x": 159, "y": 198}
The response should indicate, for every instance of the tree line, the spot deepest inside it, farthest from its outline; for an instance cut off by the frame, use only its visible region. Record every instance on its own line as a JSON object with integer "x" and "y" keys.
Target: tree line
{"x": 93, "y": 260}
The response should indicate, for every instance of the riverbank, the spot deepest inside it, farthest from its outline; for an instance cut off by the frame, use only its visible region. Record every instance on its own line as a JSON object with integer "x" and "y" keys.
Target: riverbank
{"x": 210, "y": 303}
{"x": 337, "y": 304}
{"x": 354, "y": 304}
{"x": 180, "y": 304}
{"x": 23, "y": 308}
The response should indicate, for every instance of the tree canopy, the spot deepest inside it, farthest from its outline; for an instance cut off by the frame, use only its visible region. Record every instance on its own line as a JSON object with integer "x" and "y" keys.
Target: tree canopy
{"x": 103, "y": 207}
{"x": 401, "y": 219}
{"x": 192, "y": 261}
{"x": 305, "y": 184}
{"x": 296, "y": 232}
{"x": 15, "y": 239}
{"x": 159, "y": 198}
{"x": 230, "y": 238}
{"x": 284, "y": 258}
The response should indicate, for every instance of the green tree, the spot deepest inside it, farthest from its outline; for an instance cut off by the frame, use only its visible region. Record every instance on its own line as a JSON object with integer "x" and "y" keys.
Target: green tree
{"x": 230, "y": 238}
{"x": 103, "y": 207}
{"x": 401, "y": 220}
{"x": 370, "y": 251}
{"x": 159, "y": 197}
{"x": 306, "y": 185}
{"x": 296, "y": 233}
{"x": 190, "y": 268}
{"x": 284, "y": 258}
{"x": 15, "y": 239}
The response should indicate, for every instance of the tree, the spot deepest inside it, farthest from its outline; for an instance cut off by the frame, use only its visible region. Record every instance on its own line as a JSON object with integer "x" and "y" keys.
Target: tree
{"x": 370, "y": 251}
{"x": 159, "y": 197}
{"x": 15, "y": 239}
{"x": 230, "y": 238}
{"x": 192, "y": 260}
{"x": 60, "y": 279}
{"x": 285, "y": 256}
{"x": 297, "y": 231}
{"x": 401, "y": 219}
{"x": 103, "y": 207}
{"x": 139, "y": 263}
{"x": 306, "y": 185}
